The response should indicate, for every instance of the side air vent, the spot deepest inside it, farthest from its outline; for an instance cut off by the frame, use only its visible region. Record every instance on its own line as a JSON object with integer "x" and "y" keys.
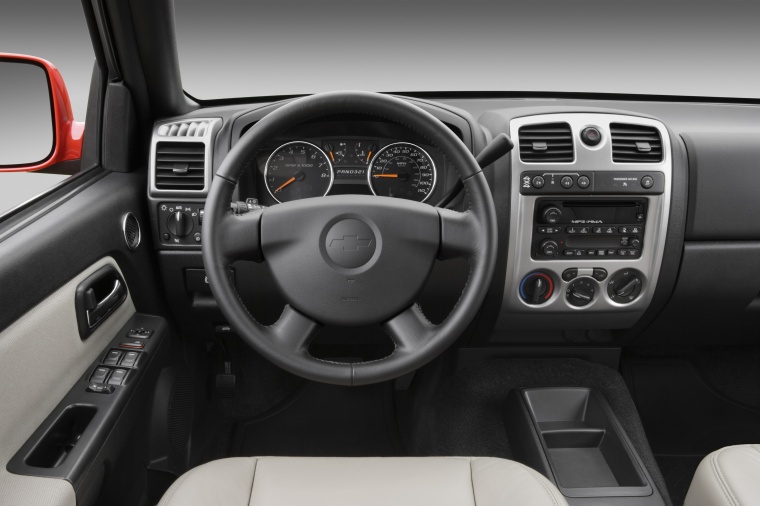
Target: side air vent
{"x": 635, "y": 143}
{"x": 184, "y": 129}
{"x": 546, "y": 143}
{"x": 180, "y": 166}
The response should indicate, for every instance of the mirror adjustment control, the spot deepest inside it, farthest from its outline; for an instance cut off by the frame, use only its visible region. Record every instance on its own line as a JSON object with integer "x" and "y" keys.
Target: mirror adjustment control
{"x": 140, "y": 333}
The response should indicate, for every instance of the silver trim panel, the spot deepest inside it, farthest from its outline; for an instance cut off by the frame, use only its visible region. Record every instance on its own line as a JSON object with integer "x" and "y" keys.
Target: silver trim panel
{"x": 595, "y": 158}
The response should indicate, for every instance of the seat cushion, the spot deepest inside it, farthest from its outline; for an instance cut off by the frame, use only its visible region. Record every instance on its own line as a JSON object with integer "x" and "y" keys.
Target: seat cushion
{"x": 729, "y": 476}
{"x": 289, "y": 481}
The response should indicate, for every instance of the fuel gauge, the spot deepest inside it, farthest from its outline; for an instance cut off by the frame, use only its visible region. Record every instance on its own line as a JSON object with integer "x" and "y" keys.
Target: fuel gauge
{"x": 363, "y": 151}
{"x": 336, "y": 151}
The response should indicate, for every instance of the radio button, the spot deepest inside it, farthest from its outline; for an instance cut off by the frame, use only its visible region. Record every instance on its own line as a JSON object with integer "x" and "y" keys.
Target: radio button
{"x": 571, "y": 230}
{"x": 566, "y": 182}
{"x": 569, "y": 252}
{"x": 633, "y": 252}
{"x": 635, "y": 242}
{"x": 541, "y": 230}
{"x": 623, "y": 229}
{"x": 622, "y": 252}
{"x": 637, "y": 230}
{"x": 624, "y": 241}
{"x": 584, "y": 230}
{"x": 597, "y": 230}
{"x": 601, "y": 252}
{"x": 610, "y": 252}
{"x": 584, "y": 182}
{"x": 549, "y": 248}
{"x": 538, "y": 182}
{"x": 591, "y": 252}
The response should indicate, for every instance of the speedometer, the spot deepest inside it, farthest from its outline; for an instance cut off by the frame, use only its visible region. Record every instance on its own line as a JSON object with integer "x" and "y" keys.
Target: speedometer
{"x": 298, "y": 170}
{"x": 402, "y": 170}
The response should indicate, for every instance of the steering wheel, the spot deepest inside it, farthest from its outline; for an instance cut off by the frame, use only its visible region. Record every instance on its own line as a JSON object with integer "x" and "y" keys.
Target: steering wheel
{"x": 350, "y": 260}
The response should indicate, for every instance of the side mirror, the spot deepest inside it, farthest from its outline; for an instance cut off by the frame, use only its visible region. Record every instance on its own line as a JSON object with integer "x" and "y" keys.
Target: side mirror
{"x": 37, "y": 127}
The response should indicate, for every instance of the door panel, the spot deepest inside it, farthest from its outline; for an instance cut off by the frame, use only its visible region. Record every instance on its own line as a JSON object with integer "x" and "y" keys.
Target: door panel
{"x": 41, "y": 356}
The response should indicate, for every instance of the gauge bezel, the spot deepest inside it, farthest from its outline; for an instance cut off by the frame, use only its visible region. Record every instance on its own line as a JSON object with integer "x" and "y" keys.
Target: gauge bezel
{"x": 329, "y": 163}
{"x": 381, "y": 150}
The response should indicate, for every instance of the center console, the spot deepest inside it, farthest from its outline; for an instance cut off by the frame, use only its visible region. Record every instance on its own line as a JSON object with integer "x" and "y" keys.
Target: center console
{"x": 590, "y": 197}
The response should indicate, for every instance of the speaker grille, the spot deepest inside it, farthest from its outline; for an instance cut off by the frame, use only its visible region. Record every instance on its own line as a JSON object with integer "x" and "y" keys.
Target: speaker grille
{"x": 131, "y": 229}
{"x": 180, "y": 413}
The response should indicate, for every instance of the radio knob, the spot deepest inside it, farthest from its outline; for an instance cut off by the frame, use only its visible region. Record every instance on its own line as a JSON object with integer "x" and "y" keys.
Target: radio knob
{"x": 179, "y": 224}
{"x": 549, "y": 247}
{"x": 552, "y": 215}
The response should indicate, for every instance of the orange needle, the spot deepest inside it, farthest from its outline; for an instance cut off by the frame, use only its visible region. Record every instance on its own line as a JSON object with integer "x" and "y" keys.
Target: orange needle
{"x": 384, "y": 175}
{"x": 332, "y": 156}
{"x": 368, "y": 155}
{"x": 286, "y": 183}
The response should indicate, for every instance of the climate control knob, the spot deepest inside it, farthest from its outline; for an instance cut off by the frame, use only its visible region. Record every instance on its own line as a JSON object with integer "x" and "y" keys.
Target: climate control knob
{"x": 179, "y": 224}
{"x": 625, "y": 286}
{"x": 581, "y": 292}
{"x": 536, "y": 288}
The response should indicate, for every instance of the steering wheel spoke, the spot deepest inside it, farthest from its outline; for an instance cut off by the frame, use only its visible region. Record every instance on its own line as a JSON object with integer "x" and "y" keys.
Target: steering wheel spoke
{"x": 460, "y": 234}
{"x": 240, "y": 236}
{"x": 410, "y": 329}
{"x": 293, "y": 332}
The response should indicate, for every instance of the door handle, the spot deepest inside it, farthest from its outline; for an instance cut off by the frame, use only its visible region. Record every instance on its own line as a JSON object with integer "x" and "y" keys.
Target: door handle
{"x": 97, "y": 297}
{"x": 100, "y": 309}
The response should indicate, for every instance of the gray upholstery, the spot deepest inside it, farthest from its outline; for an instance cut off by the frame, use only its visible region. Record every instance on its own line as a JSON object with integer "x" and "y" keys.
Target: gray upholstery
{"x": 727, "y": 477}
{"x": 439, "y": 481}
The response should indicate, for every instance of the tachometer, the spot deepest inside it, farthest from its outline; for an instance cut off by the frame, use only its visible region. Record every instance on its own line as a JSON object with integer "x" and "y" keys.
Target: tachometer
{"x": 298, "y": 170}
{"x": 402, "y": 170}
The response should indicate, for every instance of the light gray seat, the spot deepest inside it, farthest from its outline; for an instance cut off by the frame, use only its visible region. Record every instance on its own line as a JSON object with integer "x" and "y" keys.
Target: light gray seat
{"x": 439, "y": 481}
{"x": 727, "y": 477}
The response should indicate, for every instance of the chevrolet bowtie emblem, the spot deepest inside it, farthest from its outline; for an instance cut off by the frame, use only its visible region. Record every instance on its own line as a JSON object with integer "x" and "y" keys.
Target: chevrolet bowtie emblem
{"x": 351, "y": 243}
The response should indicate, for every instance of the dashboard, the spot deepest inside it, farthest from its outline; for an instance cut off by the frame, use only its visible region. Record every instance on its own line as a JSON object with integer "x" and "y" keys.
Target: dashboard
{"x": 609, "y": 213}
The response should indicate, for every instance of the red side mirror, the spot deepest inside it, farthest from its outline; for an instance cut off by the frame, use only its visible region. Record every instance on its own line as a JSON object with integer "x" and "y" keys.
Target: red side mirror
{"x": 27, "y": 144}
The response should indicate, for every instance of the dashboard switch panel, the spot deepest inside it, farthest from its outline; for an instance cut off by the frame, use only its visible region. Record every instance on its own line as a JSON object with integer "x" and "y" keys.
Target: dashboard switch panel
{"x": 180, "y": 224}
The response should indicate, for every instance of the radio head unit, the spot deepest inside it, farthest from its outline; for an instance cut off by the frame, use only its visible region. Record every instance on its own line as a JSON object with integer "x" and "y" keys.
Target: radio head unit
{"x": 588, "y": 228}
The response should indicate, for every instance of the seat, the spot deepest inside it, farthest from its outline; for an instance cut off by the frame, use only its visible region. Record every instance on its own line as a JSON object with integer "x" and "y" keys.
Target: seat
{"x": 289, "y": 481}
{"x": 727, "y": 477}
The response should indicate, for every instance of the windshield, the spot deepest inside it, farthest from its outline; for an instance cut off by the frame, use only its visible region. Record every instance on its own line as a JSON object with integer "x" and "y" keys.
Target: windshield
{"x": 233, "y": 49}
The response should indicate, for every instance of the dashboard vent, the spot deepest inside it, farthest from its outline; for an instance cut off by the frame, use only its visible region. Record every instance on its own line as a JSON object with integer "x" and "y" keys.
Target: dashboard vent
{"x": 184, "y": 129}
{"x": 547, "y": 142}
{"x": 180, "y": 166}
{"x": 635, "y": 143}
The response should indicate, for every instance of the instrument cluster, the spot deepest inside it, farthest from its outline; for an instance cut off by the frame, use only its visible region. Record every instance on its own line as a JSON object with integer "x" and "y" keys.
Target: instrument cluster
{"x": 305, "y": 169}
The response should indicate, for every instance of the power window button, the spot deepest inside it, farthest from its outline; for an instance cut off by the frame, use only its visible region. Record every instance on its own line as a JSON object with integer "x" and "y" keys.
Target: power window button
{"x": 130, "y": 358}
{"x": 100, "y": 375}
{"x": 112, "y": 358}
{"x": 117, "y": 376}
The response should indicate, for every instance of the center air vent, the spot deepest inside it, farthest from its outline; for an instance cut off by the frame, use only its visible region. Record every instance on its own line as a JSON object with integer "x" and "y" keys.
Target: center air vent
{"x": 547, "y": 143}
{"x": 180, "y": 166}
{"x": 635, "y": 143}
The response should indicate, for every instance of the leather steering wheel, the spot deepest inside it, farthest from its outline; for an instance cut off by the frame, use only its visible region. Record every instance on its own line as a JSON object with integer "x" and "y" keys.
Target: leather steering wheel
{"x": 325, "y": 282}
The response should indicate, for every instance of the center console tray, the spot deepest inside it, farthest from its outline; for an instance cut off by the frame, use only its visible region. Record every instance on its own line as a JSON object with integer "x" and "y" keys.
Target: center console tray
{"x": 572, "y": 436}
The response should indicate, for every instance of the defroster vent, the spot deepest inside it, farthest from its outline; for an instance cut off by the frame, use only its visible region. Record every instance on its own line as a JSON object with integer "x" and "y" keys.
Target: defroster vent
{"x": 546, "y": 143}
{"x": 180, "y": 166}
{"x": 635, "y": 143}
